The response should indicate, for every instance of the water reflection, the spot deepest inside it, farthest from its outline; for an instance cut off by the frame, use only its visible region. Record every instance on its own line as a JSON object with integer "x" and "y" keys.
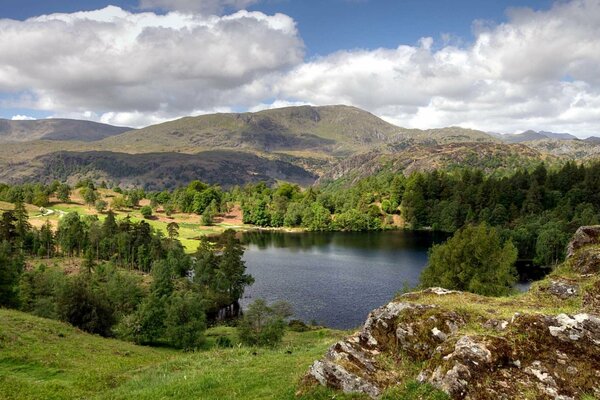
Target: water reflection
{"x": 335, "y": 278}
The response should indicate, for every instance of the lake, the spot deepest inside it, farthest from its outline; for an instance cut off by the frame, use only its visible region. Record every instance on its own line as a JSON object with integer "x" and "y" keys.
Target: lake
{"x": 334, "y": 278}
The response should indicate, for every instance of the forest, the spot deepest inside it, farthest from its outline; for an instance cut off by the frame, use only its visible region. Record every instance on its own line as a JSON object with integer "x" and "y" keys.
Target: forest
{"x": 138, "y": 283}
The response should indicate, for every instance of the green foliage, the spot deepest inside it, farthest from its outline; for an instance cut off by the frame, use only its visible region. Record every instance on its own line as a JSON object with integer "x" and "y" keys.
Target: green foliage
{"x": 186, "y": 321}
{"x": 551, "y": 245}
{"x": 101, "y": 205}
{"x": 11, "y": 267}
{"x": 146, "y": 211}
{"x": 474, "y": 260}
{"x": 147, "y": 324}
{"x": 85, "y": 306}
{"x": 90, "y": 195}
{"x": 263, "y": 325}
{"x": 316, "y": 218}
{"x": 209, "y": 213}
{"x": 63, "y": 193}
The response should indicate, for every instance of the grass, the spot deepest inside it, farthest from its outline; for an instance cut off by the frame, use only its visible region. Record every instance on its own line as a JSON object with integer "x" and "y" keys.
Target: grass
{"x": 190, "y": 226}
{"x": 45, "y": 359}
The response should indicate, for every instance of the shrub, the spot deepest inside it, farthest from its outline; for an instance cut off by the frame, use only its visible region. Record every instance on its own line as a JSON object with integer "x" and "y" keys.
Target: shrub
{"x": 474, "y": 260}
{"x": 263, "y": 325}
{"x": 186, "y": 321}
{"x": 84, "y": 307}
{"x": 146, "y": 211}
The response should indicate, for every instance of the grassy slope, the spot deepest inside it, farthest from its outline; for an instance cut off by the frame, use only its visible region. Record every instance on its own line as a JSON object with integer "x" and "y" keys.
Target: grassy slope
{"x": 45, "y": 359}
{"x": 190, "y": 225}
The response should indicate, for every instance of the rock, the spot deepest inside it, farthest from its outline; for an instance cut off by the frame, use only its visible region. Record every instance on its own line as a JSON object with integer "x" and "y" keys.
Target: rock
{"x": 496, "y": 324}
{"x": 330, "y": 374}
{"x": 562, "y": 289}
{"x": 586, "y": 261}
{"x": 584, "y": 236}
{"x": 380, "y": 327}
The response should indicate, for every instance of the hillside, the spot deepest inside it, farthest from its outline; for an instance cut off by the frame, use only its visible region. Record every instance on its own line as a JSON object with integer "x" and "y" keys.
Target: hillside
{"x": 56, "y": 129}
{"x": 572, "y": 149}
{"x": 299, "y": 144}
{"x": 46, "y": 359}
{"x": 156, "y": 171}
{"x": 333, "y": 130}
{"x": 532, "y": 136}
{"x": 490, "y": 157}
{"x": 543, "y": 344}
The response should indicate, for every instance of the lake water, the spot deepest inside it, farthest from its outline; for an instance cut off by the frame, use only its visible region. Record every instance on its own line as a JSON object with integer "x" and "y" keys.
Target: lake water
{"x": 334, "y": 278}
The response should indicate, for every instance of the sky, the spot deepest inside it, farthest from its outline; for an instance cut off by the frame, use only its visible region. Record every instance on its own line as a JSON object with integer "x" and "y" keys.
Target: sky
{"x": 502, "y": 66}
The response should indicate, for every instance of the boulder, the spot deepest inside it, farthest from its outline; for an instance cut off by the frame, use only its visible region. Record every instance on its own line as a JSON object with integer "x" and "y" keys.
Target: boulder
{"x": 584, "y": 236}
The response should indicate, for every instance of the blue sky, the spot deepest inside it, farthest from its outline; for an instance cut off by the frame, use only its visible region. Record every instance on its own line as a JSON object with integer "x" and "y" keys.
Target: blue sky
{"x": 330, "y": 25}
{"x": 503, "y": 66}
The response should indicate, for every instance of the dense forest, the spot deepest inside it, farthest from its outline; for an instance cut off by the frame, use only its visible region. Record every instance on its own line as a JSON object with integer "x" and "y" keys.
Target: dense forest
{"x": 537, "y": 209}
{"x": 528, "y": 214}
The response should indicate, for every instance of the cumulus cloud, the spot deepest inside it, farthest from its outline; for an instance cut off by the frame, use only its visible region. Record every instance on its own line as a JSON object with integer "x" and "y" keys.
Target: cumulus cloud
{"x": 197, "y": 6}
{"x": 20, "y": 117}
{"x": 538, "y": 70}
{"x": 111, "y": 60}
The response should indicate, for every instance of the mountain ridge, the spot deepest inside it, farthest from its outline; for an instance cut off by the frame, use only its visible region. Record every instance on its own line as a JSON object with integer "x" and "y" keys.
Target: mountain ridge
{"x": 59, "y": 129}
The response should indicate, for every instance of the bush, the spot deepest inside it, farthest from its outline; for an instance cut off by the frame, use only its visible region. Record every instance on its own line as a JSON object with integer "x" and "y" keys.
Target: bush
{"x": 146, "y": 325}
{"x": 84, "y": 307}
{"x": 146, "y": 212}
{"x": 473, "y": 260}
{"x": 263, "y": 325}
{"x": 224, "y": 342}
{"x": 296, "y": 325}
{"x": 186, "y": 321}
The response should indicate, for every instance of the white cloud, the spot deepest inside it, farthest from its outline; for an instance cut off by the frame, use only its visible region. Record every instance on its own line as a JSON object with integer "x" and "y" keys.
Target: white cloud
{"x": 111, "y": 60}
{"x": 197, "y": 6}
{"x": 539, "y": 70}
{"x": 20, "y": 117}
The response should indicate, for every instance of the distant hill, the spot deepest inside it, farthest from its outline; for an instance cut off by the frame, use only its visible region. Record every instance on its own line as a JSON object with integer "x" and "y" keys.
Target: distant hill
{"x": 156, "y": 171}
{"x": 593, "y": 140}
{"x": 490, "y": 157}
{"x": 299, "y": 144}
{"x": 335, "y": 130}
{"x": 559, "y": 136}
{"x": 532, "y": 136}
{"x": 56, "y": 129}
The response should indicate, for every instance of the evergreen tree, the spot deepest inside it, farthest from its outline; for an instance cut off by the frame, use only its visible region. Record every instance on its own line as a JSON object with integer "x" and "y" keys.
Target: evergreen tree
{"x": 11, "y": 267}
{"x": 474, "y": 260}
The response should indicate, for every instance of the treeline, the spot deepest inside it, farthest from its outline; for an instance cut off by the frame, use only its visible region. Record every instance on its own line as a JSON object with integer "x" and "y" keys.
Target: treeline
{"x": 538, "y": 210}
{"x": 185, "y": 291}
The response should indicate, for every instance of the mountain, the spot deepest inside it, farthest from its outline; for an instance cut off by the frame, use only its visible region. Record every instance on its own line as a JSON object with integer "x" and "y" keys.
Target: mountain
{"x": 532, "y": 136}
{"x": 56, "y": 129}
{"x": 595, "y": 140}
{"x": 300, "y": 144}
{"x": 527, "y": 136}
{"x": 332, "y": 130}
{"x": 559, "y": 136}
{"x": 156, "y": 171}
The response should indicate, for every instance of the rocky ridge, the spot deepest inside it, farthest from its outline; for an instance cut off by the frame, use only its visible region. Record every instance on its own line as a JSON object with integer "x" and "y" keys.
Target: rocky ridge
{"x": 543, "y": 344}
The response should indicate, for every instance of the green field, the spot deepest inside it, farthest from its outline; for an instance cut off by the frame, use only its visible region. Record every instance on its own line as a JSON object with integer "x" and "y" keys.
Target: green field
{"x": 190, "y": 226}
{"x": 46, "y": 359}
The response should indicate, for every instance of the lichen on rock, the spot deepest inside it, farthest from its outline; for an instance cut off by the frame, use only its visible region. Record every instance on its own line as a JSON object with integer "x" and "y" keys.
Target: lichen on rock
{"x": 475, "y": 347}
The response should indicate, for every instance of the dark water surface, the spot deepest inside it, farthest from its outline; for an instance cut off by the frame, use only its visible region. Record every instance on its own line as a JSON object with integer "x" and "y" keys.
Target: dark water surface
{"x": 334, "y": 278}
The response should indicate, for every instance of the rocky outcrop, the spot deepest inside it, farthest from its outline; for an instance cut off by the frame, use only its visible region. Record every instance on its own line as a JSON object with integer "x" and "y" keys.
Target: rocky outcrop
{"x": 584, "y": 236}
{"x": 475, "y": 347}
